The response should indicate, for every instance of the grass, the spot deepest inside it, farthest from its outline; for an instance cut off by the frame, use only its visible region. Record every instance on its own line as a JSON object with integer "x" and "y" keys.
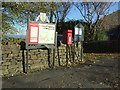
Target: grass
{"x": 93, "y": 56}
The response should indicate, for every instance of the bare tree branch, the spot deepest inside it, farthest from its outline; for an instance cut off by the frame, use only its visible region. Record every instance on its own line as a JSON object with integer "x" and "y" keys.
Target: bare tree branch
{"x": 92, "y": 13}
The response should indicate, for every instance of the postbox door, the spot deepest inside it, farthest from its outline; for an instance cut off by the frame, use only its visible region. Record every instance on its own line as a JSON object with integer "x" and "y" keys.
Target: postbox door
{"x": 69, "y": 38}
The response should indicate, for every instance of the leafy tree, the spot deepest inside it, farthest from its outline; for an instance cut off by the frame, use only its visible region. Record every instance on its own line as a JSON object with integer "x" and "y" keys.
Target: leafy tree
{"x": 17, "y": 12}
{"x": 13, "y": 13}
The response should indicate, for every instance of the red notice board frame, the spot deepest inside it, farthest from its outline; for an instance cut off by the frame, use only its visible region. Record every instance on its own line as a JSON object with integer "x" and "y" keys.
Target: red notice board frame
{"x": 31, "y": 24}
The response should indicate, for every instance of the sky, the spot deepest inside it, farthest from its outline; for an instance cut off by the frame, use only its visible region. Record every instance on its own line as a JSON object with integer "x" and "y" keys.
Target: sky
{"x": 74, "y": 14}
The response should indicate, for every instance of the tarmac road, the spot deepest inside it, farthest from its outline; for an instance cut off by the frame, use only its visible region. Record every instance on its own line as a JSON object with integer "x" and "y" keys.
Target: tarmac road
{"x": 93, "y": 74}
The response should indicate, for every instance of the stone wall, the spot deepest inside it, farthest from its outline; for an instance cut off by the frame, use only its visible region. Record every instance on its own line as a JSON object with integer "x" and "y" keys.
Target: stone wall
{"x": 13, "y": 59}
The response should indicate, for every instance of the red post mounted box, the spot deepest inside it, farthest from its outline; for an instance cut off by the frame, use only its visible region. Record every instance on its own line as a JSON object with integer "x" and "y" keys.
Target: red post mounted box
{"x": 67, "y": 37}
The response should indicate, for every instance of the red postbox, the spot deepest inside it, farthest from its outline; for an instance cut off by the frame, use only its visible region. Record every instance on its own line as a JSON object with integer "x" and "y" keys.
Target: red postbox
{"x": 67, "y": 37}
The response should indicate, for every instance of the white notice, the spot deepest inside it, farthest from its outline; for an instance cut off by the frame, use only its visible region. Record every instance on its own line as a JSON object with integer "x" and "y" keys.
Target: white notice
{"x": 33, "y": 34}
{"x": 78, "y": 31}
{"x": 34, "y": 31}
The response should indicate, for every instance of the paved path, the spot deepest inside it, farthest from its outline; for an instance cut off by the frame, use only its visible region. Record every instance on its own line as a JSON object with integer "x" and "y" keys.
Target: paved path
{"x": 97, "y": 74}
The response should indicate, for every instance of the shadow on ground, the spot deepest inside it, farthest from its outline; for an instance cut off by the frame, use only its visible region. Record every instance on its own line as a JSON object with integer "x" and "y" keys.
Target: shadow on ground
{"x": 93, "y": 74}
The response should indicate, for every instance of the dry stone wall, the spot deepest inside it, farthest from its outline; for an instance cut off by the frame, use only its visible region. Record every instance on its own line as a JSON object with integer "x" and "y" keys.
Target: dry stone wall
{"x": 12, "y": 59}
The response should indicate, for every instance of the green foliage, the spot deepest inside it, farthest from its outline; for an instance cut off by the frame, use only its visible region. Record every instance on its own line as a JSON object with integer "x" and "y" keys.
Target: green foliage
{"x": 101, "y": 36}
{"x": 92, "y": 13}
{"x": 67, "y": 25}
{"x": 17, "y": 13}
{"x": 86, "y": 32}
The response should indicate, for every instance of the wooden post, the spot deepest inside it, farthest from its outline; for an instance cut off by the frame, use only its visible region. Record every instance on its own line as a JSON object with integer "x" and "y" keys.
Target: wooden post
{"x": 66, "y": 54}
{"x": 26, "y": 64}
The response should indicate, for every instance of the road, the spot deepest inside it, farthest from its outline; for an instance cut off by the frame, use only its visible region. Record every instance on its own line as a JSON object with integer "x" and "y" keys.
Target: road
{"x": 92, "y": 74}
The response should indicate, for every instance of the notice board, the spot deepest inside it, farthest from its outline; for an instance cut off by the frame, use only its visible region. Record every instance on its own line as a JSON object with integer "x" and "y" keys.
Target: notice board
{"x": 41, "y": 33}
{"x": 46, "y": 33}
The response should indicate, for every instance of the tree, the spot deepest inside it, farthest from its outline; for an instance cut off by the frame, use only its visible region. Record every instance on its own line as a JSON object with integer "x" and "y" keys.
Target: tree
{"x": 17, "y": 12}
{"x": 61, "y": 13}
{"x": 92, "y": 12}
